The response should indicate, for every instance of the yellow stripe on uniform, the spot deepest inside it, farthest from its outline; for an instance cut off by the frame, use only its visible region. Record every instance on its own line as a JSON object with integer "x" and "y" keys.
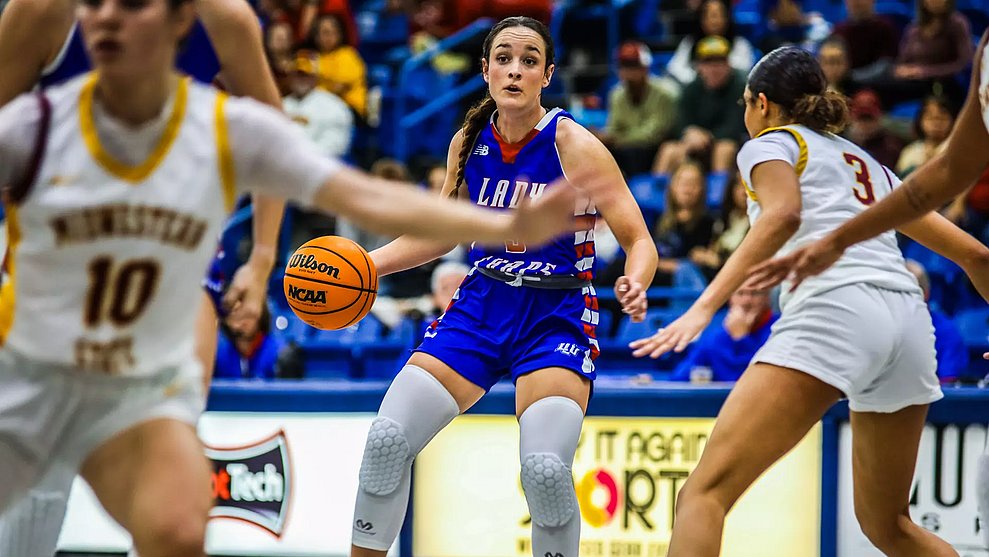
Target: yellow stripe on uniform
{"x": 130, "y": 173}
{"x": 224, "y": 154}
{"x": 802, "y": 158}
{"x": 749, "y": 191}
{"x": 7, "y": 291}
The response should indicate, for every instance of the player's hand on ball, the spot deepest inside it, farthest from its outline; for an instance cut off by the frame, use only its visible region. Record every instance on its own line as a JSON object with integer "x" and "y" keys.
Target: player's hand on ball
{"x": 246, "y": 297}
{"x": 632, "y": 297}
{"x": 540, "y": 221}
{"x": 676, "y": 336}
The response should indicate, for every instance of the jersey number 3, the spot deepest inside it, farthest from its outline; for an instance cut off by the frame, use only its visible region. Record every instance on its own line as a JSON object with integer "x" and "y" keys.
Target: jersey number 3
{"x": 864, "y": 194}
{"x": 119, "y": 292}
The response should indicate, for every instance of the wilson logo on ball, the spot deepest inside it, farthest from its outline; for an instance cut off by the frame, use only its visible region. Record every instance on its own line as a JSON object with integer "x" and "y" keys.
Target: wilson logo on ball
{"x": 306, "y": 295}
{"x": 309, "y": 262}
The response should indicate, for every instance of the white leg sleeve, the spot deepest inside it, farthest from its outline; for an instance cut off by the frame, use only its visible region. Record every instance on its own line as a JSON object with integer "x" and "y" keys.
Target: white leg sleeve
{"x": 415, "y": 408}
{"x": 550, "y": 430}
{"x": 30, "y": 527}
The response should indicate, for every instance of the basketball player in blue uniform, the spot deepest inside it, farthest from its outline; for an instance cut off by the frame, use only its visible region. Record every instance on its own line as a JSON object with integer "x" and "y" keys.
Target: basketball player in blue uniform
{"x": 524, "y": 313}
{"x": 41, "y": 44}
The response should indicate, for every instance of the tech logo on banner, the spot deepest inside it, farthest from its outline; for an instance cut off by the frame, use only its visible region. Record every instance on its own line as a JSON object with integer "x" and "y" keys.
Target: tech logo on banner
{"x": 253, "y": 483}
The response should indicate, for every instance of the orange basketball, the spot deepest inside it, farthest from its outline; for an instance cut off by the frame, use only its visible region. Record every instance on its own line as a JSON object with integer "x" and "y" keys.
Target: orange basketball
{"x": 330, "y": 282}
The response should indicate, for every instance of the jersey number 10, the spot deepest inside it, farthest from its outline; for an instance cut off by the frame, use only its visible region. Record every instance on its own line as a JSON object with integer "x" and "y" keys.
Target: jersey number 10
{"x": 864, "y": 194}
{"x": 119, "y": 292}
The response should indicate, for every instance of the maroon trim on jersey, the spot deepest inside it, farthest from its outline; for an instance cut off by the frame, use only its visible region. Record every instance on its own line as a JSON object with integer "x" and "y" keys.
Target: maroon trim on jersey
{"x": 18, "y": 192}
{"x": 509, "y": 151}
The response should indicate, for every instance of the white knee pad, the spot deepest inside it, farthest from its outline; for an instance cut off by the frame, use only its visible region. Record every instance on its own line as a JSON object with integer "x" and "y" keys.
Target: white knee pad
{"x": 548, "y": 485}
{"x": 415, "y": 408}
{"x": 386, "y": 455}
{"x": 550, "y": 430}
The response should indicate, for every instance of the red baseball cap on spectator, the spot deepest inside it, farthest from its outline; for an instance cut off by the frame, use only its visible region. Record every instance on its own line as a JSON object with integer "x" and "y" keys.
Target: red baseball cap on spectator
{"x": 633, "y": 54}
{"x": 866, "y": 104}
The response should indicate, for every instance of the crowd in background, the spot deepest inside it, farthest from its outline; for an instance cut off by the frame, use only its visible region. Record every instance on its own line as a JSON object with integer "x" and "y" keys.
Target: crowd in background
{"x": 669, "y": 112}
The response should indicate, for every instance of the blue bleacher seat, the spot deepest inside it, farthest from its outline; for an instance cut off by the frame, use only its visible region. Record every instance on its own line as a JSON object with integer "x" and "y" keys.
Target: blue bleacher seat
{"x": 649, "y": 192}
{"x": 974, "y": 327}
{"x": 716, "y": 184}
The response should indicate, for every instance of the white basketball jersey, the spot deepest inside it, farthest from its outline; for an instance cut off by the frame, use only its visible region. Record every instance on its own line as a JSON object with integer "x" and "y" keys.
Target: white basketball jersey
{"x": 838, "y": 180}
{"x": 106, "y": 258}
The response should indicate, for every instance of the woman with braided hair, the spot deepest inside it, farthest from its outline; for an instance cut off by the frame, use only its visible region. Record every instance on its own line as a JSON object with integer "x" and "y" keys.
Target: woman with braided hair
{"x": 522, "y": 312}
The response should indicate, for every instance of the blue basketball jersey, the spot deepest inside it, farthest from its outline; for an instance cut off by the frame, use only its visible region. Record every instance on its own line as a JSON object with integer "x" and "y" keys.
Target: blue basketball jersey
{"x": 196, "y": 58}
{"x": 500, "y": 175}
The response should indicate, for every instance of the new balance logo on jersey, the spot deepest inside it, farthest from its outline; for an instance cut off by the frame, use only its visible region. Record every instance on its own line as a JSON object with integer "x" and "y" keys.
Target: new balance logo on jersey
{"x": 482, "y": 150}
{"x": 366, "y": 527}
{"x": 306, "y": 295}
{"x": 500, "y": 194}
{"x": 569, "y": 349}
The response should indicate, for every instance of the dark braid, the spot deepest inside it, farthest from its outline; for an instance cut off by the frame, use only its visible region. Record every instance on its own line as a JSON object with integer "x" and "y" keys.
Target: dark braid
{"x": 480, "y": 113}
{"x": 477, "y": 116}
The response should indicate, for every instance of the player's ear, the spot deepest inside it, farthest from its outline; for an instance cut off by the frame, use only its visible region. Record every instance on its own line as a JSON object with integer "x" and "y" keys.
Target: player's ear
{"x": 762, "y": 103}
{"x": 484, "y": 70}
{"x": 548, "y": 75}
{"x": 184, "y": 16}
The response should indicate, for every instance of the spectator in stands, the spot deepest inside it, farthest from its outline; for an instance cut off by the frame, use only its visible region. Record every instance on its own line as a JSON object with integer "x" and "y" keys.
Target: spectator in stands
{"x": 709, "y": 117}
{"x": 936, "y": 48}
{"x": 443, "y": 282}
{"x": 685, "y": 224}
{"x": 729, "y": 229}
{"x": 867, "y": 129}
{"x": 952, "y": 354}
{"x": 247, "y": 355}
{"x": 341, "y": 69}
{"x": 934, "y": 51}
{"x": 931, "y": 126}
{"x": 713, "y": 18}
{"x": 328, "y": 121}
{"x": 871, "y": 39}
{"x": 641, "y": 111}
{"x": 725, "y": 349}
{"x": 833, "y": 57}
{"x": 435, "y": 177}
{"x": 278, "y": 43}
{"x": 789, "y": 25}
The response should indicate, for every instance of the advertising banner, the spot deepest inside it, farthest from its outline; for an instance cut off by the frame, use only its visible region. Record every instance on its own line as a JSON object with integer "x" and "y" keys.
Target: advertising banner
{"x": 469, "y": 503}
{"x": 943, "y": 495}
{"x": 284, "y": 485}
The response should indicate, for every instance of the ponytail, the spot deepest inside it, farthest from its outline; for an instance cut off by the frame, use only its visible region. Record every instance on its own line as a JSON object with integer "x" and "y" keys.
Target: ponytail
{"x": 827, "y": 112}
{"x": 474, "y": 122}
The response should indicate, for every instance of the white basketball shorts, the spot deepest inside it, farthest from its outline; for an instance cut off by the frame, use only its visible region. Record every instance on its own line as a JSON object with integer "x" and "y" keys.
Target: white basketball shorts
{"x": 56, "y": 415}
{"x": 874, "y": 345}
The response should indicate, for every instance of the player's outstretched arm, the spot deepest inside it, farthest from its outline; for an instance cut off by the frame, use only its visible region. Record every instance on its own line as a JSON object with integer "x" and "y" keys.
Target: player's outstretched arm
{"x": 941, "y": 235}
{"x": 582, "y": 154}
{"x": 777, "y": 186}
{"x": 396, "y": 208}
{"x": 407, "y": 252}
{"x": 31, "y": 33}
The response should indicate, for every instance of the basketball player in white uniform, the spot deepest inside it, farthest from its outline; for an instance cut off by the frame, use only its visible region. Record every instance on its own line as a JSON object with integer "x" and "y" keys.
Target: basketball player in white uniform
{"x": 40, "y": 43}
{"x": 115, "y": 185}
{"x": 950, "y": 173}
{"x": 860, "y": 331}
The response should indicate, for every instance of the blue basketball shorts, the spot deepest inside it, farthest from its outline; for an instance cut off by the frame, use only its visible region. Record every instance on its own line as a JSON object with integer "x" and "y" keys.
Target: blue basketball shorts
{"x": 492, "y": 330}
